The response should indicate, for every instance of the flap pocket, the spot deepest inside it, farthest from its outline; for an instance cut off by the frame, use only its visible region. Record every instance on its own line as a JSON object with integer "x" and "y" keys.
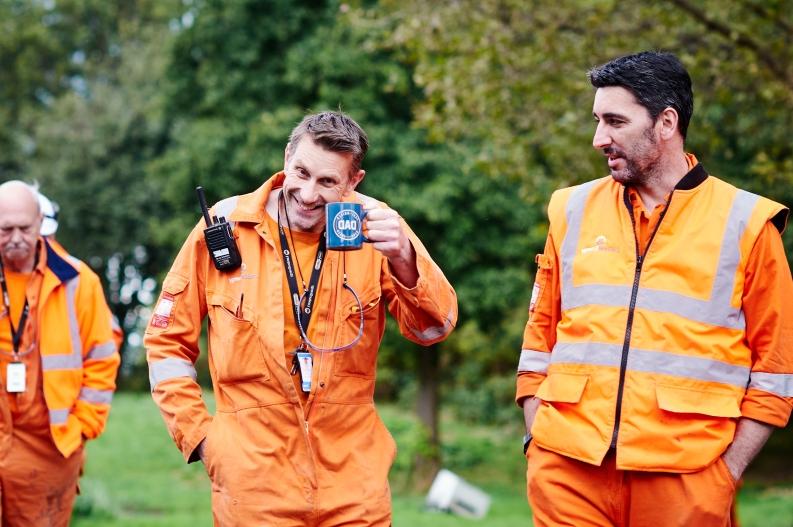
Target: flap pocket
{"x": 562, "y": 387}
{"x": 162, "y": 318}
{"x": 543, "y": 261}
{"x": 369, "y": 300}
{"x": 361, "y": 360}
{"x": 234, "y": 346}
{"x": 232, "y": 306}
{"x": 693, "y": 401}
{"x": 174, "y": 284}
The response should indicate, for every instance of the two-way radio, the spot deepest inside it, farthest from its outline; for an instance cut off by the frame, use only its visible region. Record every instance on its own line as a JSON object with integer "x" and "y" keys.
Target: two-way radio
{"x": 219, "y": 238}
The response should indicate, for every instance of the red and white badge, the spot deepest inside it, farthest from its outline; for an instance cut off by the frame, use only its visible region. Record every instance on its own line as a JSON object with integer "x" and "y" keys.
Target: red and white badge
{"x": 162, "y": 313}
{"x": 535, "y": 295}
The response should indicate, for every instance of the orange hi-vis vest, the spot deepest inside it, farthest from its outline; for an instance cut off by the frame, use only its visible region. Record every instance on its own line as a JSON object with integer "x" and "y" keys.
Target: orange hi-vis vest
{"x": 79, "y": 359}
{"x": 651, "y": 356}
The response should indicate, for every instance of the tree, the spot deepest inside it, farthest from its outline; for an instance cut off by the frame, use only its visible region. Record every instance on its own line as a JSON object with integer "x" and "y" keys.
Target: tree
{"x": 92, "y": 136}
{"x": 512, "y": 75}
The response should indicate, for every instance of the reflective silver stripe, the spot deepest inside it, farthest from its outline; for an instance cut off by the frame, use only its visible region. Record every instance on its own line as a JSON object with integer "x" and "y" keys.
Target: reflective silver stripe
{"x": 435, "y": 332}
{"x": 71, "y": 308}
{"x": 777, "y": 383}
{"x": 648, "y": 361}
{"x": 102, "y": 351}
{"x": 593, "y": 353}
{"x": 59, "y": 417}
{"x": 73, "y": 360}
{"x": 534, "y": 361}
{"x": 170, "y": 368}
{"x": 225, "y": 207}
{"x": 94, "y": 396}
{"x": 715, "y": 310}
{"x": 61, "y": 362}
{"x": 575, "y": 215}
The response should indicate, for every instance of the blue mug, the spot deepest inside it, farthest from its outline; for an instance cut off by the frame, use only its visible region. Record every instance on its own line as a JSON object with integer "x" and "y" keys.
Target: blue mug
{"x": 343, "y": 226}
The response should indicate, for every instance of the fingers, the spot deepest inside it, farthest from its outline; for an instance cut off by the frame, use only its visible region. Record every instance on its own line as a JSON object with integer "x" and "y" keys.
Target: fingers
{"x": 382, "y": 225}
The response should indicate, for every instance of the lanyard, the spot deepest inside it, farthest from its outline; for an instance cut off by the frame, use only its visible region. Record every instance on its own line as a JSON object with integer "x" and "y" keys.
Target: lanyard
{"x": 16, "y": 333}
{"x": 302, "y": 316}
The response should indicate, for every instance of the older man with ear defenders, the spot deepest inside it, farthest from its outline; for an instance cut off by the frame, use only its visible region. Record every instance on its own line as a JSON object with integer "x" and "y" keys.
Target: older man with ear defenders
{"x": 58, "y": 365}
{"x": 291, "y": 445}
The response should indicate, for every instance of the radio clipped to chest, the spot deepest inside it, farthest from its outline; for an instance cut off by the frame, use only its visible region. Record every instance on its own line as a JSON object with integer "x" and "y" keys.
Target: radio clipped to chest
{"x": 221, "y": 245}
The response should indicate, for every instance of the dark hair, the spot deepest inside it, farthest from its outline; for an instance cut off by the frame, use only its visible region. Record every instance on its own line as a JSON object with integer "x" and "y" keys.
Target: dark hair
{"x": 657, "y": 80}
{"x": 333, "y": 131}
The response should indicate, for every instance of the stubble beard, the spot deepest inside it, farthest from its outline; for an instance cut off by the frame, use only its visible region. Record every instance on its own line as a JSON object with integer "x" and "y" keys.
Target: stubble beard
{"x": 641, "y": 168}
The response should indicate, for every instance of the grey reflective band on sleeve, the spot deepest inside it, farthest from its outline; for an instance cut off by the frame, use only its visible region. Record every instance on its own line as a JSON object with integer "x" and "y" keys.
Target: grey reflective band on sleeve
{"x": 435, "y": 332}
{"x": 534, "y": 361}
{"x": 780, "y": 384}
{"x": 59, "y": 417}
{"x": 716, "y": 310}
{"x": 225, "y": 207}
{"x": 102, "y": 351}
{"x": 94, "y": 396}
{"x": 170, "y": 368}
{"x": 647, "y": 361}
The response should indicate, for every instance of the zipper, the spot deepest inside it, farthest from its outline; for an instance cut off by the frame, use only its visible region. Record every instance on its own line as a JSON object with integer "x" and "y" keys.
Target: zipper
{"x": 626, "y": 343}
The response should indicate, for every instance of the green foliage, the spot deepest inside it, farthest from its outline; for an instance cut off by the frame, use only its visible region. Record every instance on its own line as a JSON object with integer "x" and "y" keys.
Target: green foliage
{"x": 512, "y": 76}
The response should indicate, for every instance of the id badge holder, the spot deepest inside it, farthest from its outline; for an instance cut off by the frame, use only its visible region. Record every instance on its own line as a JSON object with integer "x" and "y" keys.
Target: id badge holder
{"x": 15, "y": 377}
{"x": 306, "y": 368}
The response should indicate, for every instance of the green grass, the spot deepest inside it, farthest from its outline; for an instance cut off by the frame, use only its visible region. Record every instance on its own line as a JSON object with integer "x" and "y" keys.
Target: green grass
{"x": 135, "y": 477}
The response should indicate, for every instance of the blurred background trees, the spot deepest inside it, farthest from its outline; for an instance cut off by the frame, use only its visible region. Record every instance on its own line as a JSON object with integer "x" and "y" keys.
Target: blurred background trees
{"x": 476, "y": 111}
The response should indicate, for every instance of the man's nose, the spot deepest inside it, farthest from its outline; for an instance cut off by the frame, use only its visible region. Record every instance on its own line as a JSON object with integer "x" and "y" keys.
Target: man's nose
{"x": 308, "y": 192}
{"x": 601, "y": 139}
{"x": 16, "y": 235}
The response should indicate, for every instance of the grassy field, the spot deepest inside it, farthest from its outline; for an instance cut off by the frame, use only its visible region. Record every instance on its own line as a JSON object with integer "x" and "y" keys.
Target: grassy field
{"x": 136, "y": 477}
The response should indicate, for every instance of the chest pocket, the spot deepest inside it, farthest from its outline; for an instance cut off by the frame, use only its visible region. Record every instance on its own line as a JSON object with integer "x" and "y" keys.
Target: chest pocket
{"x": 235, "y": 350}
{"x": 360, "y": 360}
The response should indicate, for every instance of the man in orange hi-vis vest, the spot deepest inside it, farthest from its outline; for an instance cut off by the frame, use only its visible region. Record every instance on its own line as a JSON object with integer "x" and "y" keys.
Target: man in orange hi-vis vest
{"x": 657, "y": 356}
{"x": 58, "y": 364}
{"x": 293, "y": 337}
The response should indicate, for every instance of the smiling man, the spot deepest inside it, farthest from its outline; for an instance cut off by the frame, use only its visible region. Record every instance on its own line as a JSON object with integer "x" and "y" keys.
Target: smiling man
{"x": 295, "y": 440}
{"x": 656, "y": 360}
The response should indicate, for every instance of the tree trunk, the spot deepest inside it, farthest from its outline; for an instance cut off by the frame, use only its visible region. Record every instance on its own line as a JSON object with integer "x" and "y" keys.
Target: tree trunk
{"x": 427, "y": 459}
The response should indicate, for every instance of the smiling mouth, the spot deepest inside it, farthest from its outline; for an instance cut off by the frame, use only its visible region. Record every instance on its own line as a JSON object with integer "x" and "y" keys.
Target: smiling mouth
{"x": 305, "y": 208}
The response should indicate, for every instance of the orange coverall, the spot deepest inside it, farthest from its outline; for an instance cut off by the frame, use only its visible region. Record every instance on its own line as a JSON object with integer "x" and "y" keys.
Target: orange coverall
{"x": 567, "y": 491}
{"x": 39, "y": 473}
{"x": 275, "y": 457}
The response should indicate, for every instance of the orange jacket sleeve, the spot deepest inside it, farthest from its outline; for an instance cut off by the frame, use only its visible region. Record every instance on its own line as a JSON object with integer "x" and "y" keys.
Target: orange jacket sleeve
{"x": 768, "y": 308}
{"x": 539, "y": 336}
{"x": 172, "y": 346}
{"x": 427, "y": 312}
{"x": 100, "y": 355}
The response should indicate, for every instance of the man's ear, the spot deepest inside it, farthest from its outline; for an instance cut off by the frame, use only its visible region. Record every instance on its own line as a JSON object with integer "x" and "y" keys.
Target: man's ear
{"x": 667, "y": 121}
{"x": 356, "y": 179}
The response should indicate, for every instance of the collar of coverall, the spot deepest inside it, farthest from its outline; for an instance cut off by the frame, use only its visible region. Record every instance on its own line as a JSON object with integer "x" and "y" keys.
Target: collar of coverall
{"x": 51, "y": 258}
